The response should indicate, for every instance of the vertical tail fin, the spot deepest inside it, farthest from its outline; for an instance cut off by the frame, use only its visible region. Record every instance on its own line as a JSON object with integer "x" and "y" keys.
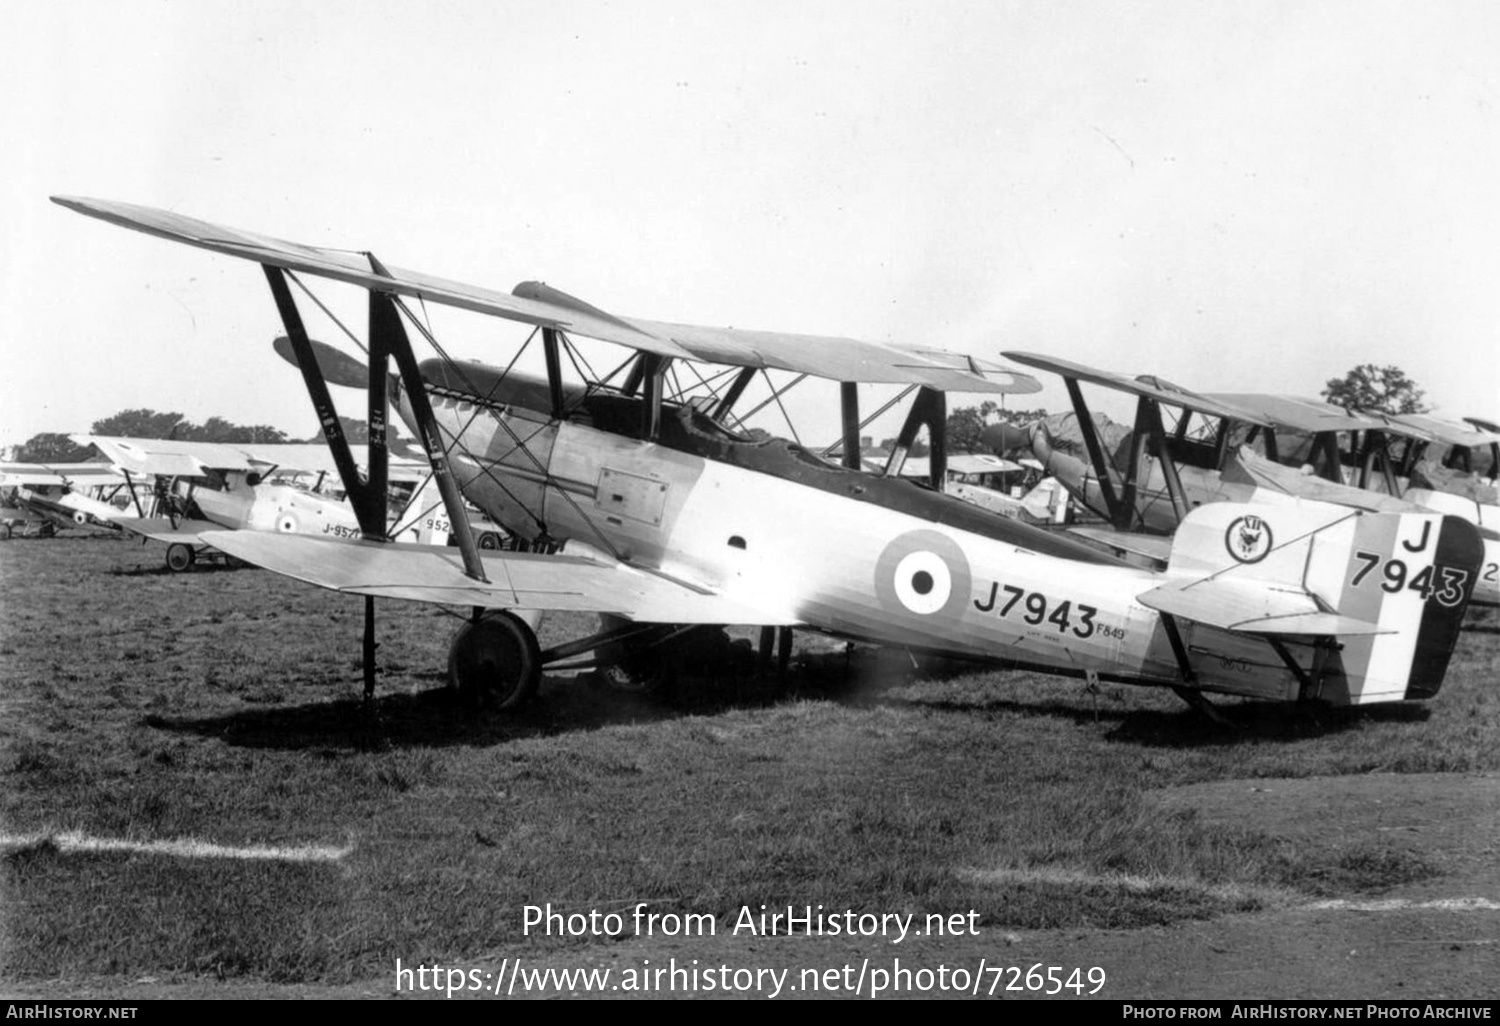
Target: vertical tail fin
{"x": 1412, "y": 574}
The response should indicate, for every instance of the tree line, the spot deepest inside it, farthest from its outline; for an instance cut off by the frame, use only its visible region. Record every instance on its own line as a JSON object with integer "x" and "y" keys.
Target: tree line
{"x": 56, "y": 447}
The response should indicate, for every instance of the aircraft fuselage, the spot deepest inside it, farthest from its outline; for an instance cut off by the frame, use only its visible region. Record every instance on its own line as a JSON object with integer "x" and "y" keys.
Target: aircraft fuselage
{"x": 840, "y": 550}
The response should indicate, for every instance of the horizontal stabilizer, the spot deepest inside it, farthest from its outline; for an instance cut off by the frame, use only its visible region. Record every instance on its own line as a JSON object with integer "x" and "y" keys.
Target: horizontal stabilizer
{"x": 517, "y": 580}
{"x": 1252, "y": 607}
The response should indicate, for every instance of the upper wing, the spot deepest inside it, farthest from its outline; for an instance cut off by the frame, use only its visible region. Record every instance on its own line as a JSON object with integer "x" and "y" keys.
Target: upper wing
{"x": 1449, "y": 432}
{"x": 1299, "y": 413}
{"x": 1145, "y": 386}
{"x": 172, "y": 458}
{"x": 840, "y": 359}
{"x": 168, "y": 457}
{"x": 518, "y": 580}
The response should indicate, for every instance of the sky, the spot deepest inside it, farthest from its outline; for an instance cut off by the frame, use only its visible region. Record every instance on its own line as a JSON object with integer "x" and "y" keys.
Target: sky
{"x": 1239, "y": 197}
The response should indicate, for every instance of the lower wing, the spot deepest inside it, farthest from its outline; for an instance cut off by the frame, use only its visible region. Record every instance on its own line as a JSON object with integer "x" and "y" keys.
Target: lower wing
{"x": 161, "y": 529}
{"x": 518, "y": 580}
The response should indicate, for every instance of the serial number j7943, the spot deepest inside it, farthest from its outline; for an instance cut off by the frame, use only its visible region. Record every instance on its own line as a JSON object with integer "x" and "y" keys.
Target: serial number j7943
{"x": 1078, "y": 618}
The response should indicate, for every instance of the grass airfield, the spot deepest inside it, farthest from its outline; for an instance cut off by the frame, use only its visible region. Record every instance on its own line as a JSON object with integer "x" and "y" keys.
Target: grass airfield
{"x": 222, "y": 707}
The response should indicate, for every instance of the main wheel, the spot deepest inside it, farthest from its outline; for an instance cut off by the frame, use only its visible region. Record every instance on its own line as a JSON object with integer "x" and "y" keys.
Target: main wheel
{"x": 489, "y": 540}
{"x": 180, "y": 557}
{"x": 494, "y": 662}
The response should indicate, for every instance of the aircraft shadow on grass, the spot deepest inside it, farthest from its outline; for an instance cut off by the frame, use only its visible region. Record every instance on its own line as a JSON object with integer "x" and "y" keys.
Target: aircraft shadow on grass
{"x": 435, "y": 718}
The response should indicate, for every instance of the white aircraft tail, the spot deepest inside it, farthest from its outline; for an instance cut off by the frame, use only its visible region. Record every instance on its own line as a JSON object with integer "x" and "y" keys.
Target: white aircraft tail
{"x": 424, "y": 519}
{"x": 1390, "y": 589}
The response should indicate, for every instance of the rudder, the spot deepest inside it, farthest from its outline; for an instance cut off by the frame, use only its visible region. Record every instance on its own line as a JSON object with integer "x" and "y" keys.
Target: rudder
{"x": 1412, "y": 574}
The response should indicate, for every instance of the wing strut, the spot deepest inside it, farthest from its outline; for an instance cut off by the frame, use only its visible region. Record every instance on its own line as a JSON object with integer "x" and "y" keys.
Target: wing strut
{"x": 849, "y": 404}
{"x": 399, "y": 346}
{"x": 368, "y": 508}
{"x": 1150, "y": 437}
{"x": 1096, "y": 449}
{"x": 930, "y": 408}
{"x": 554, "y": 371}
{"x": 733, "y": 392}
{"x": 653, "y": 371}
{"x": 368, "y": 497}
{"x": 134, "y": 498}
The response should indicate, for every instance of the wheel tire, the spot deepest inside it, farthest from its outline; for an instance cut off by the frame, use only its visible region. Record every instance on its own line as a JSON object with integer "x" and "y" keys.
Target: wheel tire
{"x": 80, "y": 518}
{"x": 494, "y": 662}
{"x": 180, "y": 557}
{"x": 489, "y": 540}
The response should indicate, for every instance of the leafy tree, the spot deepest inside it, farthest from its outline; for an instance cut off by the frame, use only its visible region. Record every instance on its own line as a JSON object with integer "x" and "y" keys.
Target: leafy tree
{"x": 151, "y": 424}
{"x": 52, "y": 447}
{"x": 141, "y": 424}
{"x": 1368, "y": 387}
{"x": 217, "y": 429}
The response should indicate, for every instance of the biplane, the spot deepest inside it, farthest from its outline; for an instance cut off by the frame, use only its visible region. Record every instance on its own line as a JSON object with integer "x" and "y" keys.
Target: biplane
{"x": 1466, "y": 449}
{"x": 1418, "y": 459}
{"x": 1445, "y": 465}
{"x": 666, "y": 517}
{"x": 43, "y": 497}
{"x": 1225, "y": 448}
{"x": 198, "y": 487}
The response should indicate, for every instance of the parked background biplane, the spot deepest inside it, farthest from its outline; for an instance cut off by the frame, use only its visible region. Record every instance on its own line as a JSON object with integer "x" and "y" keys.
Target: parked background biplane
{"x": 1187, "y": 449}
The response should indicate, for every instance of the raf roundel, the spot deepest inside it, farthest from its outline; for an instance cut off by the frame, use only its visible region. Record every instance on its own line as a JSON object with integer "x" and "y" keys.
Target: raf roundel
{"x": 923, "y": 573}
